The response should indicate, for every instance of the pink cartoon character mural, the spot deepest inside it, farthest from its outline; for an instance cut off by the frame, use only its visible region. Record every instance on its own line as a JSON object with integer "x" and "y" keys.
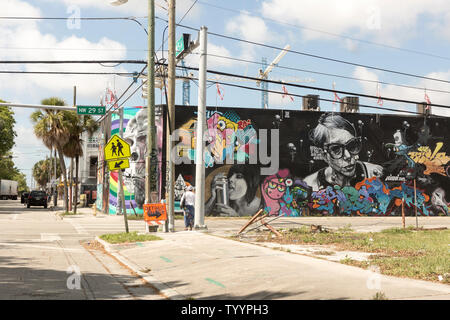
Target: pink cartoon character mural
{"x": 275, "y": 190}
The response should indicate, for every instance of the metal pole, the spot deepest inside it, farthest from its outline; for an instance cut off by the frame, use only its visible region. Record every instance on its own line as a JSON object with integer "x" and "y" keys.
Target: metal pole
{"x": 199, "y": 216}
{"x": 55, "y": 200}
{"x": 403, "y": 213}
{"x": 415, "y": 204}
{"x": 121, "y": 193}
{"x": 151, "y": 159}
{"x": 170, "y": 195}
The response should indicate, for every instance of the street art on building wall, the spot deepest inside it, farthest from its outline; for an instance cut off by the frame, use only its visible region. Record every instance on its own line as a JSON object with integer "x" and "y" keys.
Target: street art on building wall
{"x": 228, "y": 138}
{"x": 329, "y": 163}
{"x": 135, "y": 133}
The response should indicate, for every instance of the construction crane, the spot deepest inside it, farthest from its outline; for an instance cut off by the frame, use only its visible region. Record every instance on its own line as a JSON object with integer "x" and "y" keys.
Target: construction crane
{"x": 186, "y": 78}
{"x": 186, "y": 86}
{"x": 265, "y": 75}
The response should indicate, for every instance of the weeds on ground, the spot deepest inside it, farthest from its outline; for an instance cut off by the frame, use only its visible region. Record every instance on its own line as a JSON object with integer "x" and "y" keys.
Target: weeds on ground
{"x": 379, "y": 296}
{"x": 69, "y": 213}
{"x": 124, "y": 237}
{"x": 420, "y": 254}
{"x": 135, "y": 217}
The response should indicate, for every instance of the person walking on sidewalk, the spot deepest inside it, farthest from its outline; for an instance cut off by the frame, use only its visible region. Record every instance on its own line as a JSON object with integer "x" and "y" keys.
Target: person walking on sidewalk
{"x": 187, "y": 204}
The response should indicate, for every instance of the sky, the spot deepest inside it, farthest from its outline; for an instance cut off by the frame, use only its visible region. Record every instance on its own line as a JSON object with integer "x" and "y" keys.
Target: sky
{"x": 407, "y": 36}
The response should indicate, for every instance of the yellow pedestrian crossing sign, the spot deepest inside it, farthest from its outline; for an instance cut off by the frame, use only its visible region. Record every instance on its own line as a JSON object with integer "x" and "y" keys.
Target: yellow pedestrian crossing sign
{"x": 117, "y": 148}
{"x": 118, "y": 164}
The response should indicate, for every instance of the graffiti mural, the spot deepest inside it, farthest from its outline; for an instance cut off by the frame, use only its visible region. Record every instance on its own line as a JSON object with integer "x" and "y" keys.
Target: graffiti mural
{"x": 228, "y": 138}
{"x": 329, "y": 163}
{"x": 135, "y": 133}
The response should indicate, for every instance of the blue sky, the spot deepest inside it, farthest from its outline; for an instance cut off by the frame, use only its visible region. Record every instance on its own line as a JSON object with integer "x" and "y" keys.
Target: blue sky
{"x": 312, "y": 26}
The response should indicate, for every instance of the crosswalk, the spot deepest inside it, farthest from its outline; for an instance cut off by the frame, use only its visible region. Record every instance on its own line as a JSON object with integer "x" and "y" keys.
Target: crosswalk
{"x": 95, "y": 226}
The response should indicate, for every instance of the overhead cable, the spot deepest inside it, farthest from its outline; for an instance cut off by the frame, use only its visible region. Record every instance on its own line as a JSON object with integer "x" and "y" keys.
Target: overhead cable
{"x": 315, "y": 55}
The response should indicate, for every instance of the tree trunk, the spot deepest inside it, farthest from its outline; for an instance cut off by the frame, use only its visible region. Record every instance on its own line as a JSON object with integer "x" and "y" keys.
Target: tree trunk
{"x": 70, "y": 184}
{"x": 77, "y": 160}
{"x": 64, "y": 173}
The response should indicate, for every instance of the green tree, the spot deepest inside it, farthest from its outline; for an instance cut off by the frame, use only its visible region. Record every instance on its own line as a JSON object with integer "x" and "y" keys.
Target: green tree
{"x": 22, "y": 182}
{"x": 74, "y": 147}
{"x": 7, "y": 168}
{"x": 7, "y": 133}
{"x": 42, "y": 171}
{"x": 52, "y": 127}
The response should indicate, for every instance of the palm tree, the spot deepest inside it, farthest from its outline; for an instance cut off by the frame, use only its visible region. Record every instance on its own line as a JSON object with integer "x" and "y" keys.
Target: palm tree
{"x": 42, "y": 170}
{"x": 74, "y": 147}
{"x": 52, "y": 127}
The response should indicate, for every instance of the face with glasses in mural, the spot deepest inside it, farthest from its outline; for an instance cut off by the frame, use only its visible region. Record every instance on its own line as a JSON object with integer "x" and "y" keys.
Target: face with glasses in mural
{"x": 340, "y": 146}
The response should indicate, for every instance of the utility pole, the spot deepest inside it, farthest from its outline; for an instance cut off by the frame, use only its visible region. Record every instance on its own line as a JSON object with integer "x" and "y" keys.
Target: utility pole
{"x": 151, "y": 158}
{"x": 199, "y": 217}
{"x": 170, "y": 179}
{"x": 71, "y": 159}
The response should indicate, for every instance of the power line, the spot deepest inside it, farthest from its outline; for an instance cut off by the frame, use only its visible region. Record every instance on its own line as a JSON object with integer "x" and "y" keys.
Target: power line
{"x": 316, "y": 88}
{"x": 126, "y": 90}
{"x": 165, "y": 40}
{"x": 329, "y": 74}
{"x": 71, "y": 61}
{"x": 315, "y": 55}
{"x": 322, "y": 99}
{"x": 327, "y": 32}
{"x": 66, "y": 73}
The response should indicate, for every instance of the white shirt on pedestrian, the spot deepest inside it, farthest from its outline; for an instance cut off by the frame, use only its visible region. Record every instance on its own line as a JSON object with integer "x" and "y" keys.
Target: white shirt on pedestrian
{"x": 189, "y": 198}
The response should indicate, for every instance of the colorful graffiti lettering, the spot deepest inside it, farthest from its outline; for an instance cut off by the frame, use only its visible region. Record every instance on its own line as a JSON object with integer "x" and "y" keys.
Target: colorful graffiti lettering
{"x": 369, "y": 197}
{"x": 285, "y": 195}
{"x": 434, "y": 161}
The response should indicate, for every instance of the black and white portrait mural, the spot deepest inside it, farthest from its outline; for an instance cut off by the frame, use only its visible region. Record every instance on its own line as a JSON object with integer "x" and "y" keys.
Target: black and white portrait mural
{"x": 324, "y": 163}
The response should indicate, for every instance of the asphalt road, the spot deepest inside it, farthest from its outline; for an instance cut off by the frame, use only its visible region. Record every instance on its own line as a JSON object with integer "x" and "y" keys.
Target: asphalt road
{"x": 43, "y": 257}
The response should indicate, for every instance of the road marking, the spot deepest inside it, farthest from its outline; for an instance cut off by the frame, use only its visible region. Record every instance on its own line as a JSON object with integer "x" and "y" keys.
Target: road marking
{"x": 165, "y": 259}
{"x": 215, "y": 282}
{"x": 50, "y": 237}
{"x": 39, "y": 247}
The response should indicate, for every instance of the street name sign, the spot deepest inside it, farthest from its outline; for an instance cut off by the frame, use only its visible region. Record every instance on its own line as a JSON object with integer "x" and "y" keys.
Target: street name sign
{"x": 182, "y": 44}
{"x": 91, "y": 110}
{"x": 119, "y": 164}
{"x": 117, "y": 148}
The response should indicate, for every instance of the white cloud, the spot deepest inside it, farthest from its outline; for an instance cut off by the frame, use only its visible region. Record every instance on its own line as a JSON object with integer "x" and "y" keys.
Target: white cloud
{"x": 212, "y": 61}
{"x": 252, "y": 29}
{"x": 26, "y": 42}
{"x": 384, "y": 20}
{"x": 138, "y": 8}
{"x": 391, "y": 91}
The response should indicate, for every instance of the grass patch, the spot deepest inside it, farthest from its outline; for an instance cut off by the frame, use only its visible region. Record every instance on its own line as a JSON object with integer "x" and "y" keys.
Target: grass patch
{"x": 69, "y": 213}
{"x": 324, "y": 253}
{"x": 135, "y": 217}
{"x": 419, "y": 254}
{"x": 124, "y": 237}
{"x": 379, "y": 296}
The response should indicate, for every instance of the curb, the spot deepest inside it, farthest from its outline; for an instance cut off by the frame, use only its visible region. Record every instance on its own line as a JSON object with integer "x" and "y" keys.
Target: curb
{"x": 162, "y": 288}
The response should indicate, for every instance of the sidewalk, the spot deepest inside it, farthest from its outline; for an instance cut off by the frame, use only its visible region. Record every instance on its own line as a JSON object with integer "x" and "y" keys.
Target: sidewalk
{"x": 208, "y": 265}
{"x": 203, "y": 266}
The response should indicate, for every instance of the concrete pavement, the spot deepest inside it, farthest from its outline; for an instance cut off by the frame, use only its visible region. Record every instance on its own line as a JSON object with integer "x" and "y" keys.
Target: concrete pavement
{"x": 44, "y": 257}
{"x": 205, "y": 265}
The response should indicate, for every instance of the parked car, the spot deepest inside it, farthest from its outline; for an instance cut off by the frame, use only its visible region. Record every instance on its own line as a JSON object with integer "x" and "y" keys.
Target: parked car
{"x": 24, "y": 197}
{"x": 37, "y": 198}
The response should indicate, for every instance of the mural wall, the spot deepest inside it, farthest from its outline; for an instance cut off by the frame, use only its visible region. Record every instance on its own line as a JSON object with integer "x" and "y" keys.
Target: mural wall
{"x": 327, "y": 163}
{"x": 135, "y": 133}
